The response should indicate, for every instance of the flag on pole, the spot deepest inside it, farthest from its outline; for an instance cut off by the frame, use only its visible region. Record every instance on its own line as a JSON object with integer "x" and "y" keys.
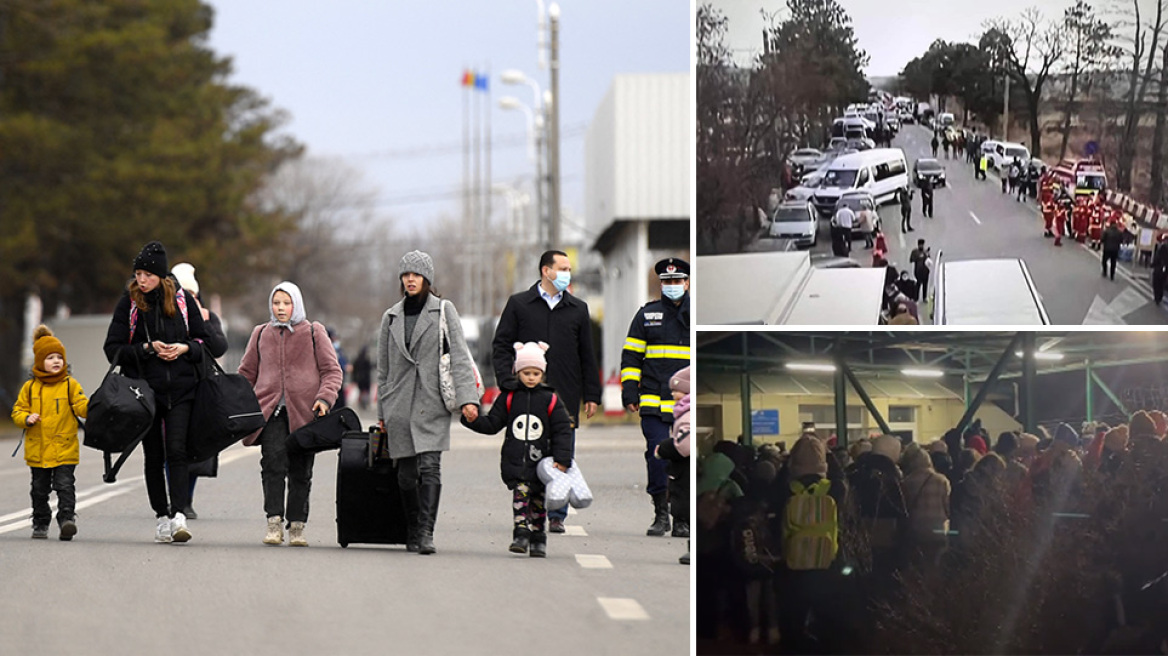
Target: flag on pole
{"x": 468, "y": 78}
{"x": 481, "y": 82}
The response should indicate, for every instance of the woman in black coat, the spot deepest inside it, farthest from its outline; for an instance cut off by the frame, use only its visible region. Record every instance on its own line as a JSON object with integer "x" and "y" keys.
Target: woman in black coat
{"x": 153, "y": 335}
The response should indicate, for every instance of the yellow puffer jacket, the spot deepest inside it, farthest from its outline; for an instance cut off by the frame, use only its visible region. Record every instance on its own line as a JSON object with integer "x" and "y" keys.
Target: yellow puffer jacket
{"x": 52, "y": 441}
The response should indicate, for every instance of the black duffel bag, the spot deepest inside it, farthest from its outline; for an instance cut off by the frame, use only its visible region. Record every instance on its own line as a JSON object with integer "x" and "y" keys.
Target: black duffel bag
{"x": 323, "y": 433}
{"x": 121, "y": 412}
{"x": 224, "y": 412}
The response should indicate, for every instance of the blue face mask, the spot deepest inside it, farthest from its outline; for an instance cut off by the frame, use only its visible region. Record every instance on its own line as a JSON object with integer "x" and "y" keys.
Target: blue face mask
{"x": 673, "y": 292}
{"x": 563, "y": 279}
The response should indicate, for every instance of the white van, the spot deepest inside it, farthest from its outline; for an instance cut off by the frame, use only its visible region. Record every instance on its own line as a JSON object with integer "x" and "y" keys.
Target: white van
{"x": 881, "y": 172}
{"x": 1004, "y": 153}
{"x": 986, "y": 292}
{"x": 945, "y": 120}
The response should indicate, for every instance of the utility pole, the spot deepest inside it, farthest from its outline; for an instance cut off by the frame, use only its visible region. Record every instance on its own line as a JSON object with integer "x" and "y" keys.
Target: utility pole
{"x": 1006, "y": 111}
{"x": 554, "y": 131}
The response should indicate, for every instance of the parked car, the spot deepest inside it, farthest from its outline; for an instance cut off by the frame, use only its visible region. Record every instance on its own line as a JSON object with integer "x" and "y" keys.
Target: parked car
{"x": 1005, "y": 153}
{"x": 804, "y": 159}
{"x": 929, "y": 168}
{"x": 797, "y": 221}
{"x": 907, "y": 117}
{"x": 862, "y": 143}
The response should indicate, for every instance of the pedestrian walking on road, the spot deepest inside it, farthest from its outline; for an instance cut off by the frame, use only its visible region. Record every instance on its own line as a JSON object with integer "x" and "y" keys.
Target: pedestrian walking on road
{"x": 927, "y": 197}
{"x": 945, "y": 144}
{"x": 363, "y": 376}
{"x": 841, "y": 229}
{"x": 922, "y": 267}
{"x": 1160, "y": 268}
{"x": 656, "y": 348}
{"x": 1023, "y": 183}
{"x": 293, "y": 367}
{"x": 410, "y": 407}
{"x": 905, "y": 211}
{"x": 867, "y": 223}
{"x": 983, "y": 163}
{"x": 47, "y": 408}
{"x": 538, "y": 426}
{"x": 549, "y": 312}
{"x": 934, "y": 143}
{"x": 676, "y": 449}
{"x": 1014, "y": 172}
{"x": 216, "y": 345}
{"x": 1112, "y": 240}
{"x": 155, "y": 335}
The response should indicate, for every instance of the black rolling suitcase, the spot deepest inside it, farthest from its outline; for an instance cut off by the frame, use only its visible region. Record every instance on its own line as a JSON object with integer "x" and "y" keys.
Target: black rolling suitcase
{"x": 369, "y": 504}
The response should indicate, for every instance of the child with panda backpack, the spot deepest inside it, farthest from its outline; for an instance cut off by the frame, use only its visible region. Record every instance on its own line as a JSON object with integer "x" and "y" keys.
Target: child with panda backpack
{"x": 538, "y": 426}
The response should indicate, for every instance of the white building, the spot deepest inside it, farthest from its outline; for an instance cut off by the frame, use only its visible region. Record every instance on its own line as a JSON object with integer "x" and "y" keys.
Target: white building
{"x": 637, "y": 192}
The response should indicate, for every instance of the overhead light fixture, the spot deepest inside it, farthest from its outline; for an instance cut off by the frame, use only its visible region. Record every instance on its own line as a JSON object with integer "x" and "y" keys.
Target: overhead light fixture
{"x": 923, "y": 373}
{"x": 1044, "y": 355}
{"x": 811, "y": 366}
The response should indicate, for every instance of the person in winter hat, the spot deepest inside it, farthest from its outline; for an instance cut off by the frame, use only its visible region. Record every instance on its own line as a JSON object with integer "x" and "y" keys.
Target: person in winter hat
{"x": 156, "y": 333}
{"x": 1142, "y": 425}
{"x": 47, "y": 409}
{"x": 676, "y": 451}
{"x": 411, "y": 408}
{"x": 927, "y": 502}
{"x": 876, "y": 484}
{"x": 291, "y": 363}
{"x": 216, "y": 345}
{"x": 538, "y": 426}
{"x": 976, "y": 443}
{"x": 1161, "y": 422}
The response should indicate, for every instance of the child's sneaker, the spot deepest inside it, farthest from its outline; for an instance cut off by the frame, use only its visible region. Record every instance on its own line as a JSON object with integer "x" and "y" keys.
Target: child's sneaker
{"x": 538, "y": 545}
{"x": 40, "y": 532}
{"x": 68, "y": 529}
{"x": 296, "y": 535}
{"x": 275, "y": 530}
{"x": 163, "y": 534}
{"x": 520, "y": 540}
{"x": 178, "y": 527}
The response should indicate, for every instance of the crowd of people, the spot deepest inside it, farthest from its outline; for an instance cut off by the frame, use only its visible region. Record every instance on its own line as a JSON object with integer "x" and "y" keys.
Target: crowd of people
{"x": 542, "y": 349}
{"x": 1048, "y": 542}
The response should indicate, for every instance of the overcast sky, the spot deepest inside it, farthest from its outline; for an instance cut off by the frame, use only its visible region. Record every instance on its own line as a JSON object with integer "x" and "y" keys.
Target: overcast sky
{"x": 892, "y": 32}
{"x": 377, "y": 83}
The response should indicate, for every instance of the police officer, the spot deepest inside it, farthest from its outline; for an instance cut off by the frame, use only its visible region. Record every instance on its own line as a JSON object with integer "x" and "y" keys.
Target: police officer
{"x": 657, "y": 346}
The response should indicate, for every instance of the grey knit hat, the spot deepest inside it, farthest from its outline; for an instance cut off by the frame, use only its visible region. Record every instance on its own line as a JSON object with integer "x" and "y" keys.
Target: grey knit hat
{"x": 419, "y": 263}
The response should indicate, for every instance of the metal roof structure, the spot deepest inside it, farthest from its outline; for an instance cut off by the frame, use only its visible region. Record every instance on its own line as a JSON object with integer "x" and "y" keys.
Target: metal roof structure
{"x": 877, "y": 359}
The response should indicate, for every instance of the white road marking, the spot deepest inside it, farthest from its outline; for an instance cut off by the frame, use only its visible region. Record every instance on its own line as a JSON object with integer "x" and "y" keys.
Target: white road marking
{"x": 900, "y": 239}
{"x": 1128, "y": 301}
{"x": 622, "y": 609}
{"x": 27, "y": 521}
{"x": 575, "y": 530}
{"x": 1100, "y": 314}
{"x": 975, "y": 219}
{"x": 572, "y": 511}
{"x": 590, "y": 561}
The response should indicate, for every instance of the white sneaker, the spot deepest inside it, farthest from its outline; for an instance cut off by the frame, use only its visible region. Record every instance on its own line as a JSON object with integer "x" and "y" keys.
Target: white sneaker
{"x": 163, "y": 534}
{"x": 296, "y": 535}
{"x": 275, "y": 530}
{"x": 178, "y": 528}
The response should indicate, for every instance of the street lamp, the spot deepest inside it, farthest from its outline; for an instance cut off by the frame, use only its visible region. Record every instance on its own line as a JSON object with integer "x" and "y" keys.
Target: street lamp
{"x": 541, "y": 48}
{"x": 554, "y": 130}
{"x": 510, "y": 102}
{"x": 535, "y": 127}
{"x": 513, "y": 76}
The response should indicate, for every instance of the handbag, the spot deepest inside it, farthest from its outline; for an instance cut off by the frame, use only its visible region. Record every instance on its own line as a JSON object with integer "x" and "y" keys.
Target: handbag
{"x": 445, "y": 366}
{"x": 225, "y": 411}
{"x": 121, "y": 411}
{"x": 324, "y": 432}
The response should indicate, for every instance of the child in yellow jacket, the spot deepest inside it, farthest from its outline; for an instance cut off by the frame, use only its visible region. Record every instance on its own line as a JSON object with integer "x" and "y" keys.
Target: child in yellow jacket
{"x": 47, "y": 408}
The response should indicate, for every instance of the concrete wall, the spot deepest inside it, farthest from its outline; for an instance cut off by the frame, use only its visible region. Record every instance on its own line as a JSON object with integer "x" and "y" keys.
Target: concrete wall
{"x": 933, "y": 416}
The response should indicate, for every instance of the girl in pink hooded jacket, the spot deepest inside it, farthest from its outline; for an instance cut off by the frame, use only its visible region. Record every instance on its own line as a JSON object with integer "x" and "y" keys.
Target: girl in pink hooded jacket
{"x": 293, "y": 367}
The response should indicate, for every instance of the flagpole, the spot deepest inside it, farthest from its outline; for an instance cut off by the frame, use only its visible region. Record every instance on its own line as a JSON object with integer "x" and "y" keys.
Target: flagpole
{"x": 489, "y": 198}
{"x": 466, "y": 191}
{"x": 477, "y": 197}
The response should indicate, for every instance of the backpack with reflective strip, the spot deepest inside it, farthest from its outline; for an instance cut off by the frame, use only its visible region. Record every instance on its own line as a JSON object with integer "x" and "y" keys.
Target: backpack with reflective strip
{"x": 810, "y": 527}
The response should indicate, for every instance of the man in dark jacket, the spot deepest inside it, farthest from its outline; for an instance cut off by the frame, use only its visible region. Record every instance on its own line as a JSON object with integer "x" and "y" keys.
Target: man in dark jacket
{"x": 548, "y": 312}
{"x": 1160, "y": 268}
{"x": 1112, "y": 240}
{"x": 656, "y": 347}
{"x": 927, "y": 197}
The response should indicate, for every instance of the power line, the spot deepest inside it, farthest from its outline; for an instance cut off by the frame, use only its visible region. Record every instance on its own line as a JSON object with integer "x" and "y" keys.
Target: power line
{"x": 516, "y": 140}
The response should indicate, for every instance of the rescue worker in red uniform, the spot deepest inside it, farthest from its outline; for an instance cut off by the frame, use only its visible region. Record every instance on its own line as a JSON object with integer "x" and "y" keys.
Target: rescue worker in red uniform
{"x": 1064, "y": 204}
{"x": 1080, "y": 217}
{"x": 1095, "y": 230}
{"x": 1046, "y": 201}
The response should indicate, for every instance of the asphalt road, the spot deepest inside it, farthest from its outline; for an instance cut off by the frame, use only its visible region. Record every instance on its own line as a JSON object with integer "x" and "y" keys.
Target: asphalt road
{"x": 605, "y": 587}
{"x": 973, "y": 219}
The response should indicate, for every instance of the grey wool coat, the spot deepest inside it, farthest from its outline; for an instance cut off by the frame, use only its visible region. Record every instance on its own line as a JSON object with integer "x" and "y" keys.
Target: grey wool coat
{"x": 409, "y": 399}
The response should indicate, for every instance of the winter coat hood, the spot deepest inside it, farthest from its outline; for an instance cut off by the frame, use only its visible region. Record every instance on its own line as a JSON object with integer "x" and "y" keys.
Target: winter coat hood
{"x": 298, "y": 313}
{"x": 887, "y": 446}
{"x": 915, "y": 459}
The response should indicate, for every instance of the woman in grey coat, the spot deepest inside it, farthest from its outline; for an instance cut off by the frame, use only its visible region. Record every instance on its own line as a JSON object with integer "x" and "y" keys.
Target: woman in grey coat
{"x": 409, "y": 404}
